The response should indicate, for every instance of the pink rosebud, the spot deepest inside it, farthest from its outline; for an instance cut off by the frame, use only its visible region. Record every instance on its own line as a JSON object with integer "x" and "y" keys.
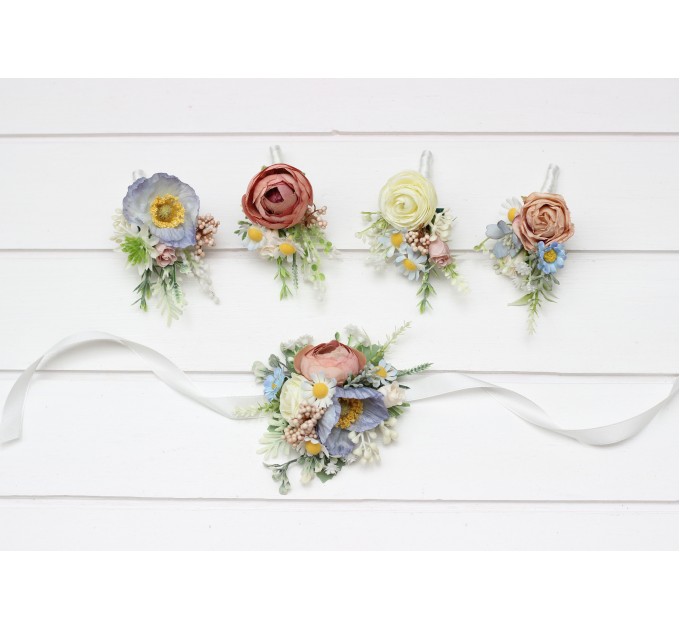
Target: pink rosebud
{"x": 278, "y": 197}
{"x": 166, "y": 255}
{"x": 439, "y": 253}
{"x": 334, "y": 359}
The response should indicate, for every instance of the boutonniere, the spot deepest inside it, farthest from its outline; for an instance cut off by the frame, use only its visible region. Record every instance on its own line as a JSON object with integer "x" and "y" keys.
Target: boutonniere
{"x": 529, "y": 242}
{"x": 411, "y": 232}
{"x": 164, "y": 237}
{"x": 330, "y": 404}
{"x": 284, "y": 225}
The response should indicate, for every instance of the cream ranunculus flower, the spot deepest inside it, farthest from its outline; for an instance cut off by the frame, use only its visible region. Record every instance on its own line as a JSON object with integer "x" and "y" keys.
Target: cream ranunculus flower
{"x": 408, "y": 200}
{"x": 291, "y": 397}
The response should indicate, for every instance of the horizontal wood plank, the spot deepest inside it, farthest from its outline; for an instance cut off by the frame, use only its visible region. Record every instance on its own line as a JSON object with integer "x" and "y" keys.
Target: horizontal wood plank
{"x": 124, "y": 524}
{"x": 129, "y": 436}
{"x": 324, "y": 105}
{"x": 617, "y": 313}
{"x": 60, "y": 193}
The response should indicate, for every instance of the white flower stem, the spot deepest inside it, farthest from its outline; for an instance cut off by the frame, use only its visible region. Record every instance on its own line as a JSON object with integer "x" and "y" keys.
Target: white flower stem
{"x": 550, "y": 181}
{"x": 137, "y": 174}
{"x": 275, "y": 152}
{"x": 426, "y": 164}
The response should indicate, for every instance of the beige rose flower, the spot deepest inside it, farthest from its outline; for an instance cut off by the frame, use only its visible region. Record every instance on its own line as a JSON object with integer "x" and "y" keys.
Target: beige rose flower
{"x": 408, "y": 200}
{"x": 544, "y": 217}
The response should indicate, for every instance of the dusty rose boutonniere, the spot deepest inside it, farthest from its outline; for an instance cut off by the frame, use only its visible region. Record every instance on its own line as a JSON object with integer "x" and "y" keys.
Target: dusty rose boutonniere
{"x": 411, "y": 232}
{"x": 164, "y": 237}
{"x": 528, "y": 243}
{"x": 283, "y": 224}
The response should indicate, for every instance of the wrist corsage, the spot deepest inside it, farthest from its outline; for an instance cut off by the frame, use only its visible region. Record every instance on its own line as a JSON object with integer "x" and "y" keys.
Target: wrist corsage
{"x": 528, "y": 245}
{"x": 410, "y": 231}
{"x": 284, "y": 225}
{"x": 329, "y": 404}
{"x": 160, "y": 231}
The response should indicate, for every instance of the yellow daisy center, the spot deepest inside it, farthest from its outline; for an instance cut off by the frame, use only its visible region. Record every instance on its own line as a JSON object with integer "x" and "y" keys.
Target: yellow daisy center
{"x": 350, "y": 412}
{"x": 255, "y": 234}
{"x": 320, "y": 390}
{"x": 512, "y": 213}
{"x": 550, "y": 256}
{"x": 287, "y": 249}
{"x": 397, "y": 239}
{"x": 167, "y": 211}
{"x": 381, "y": 372}
{"x": 409, "y": 264}
{"x": 275, "y": 385}
{"x": 313, "y": 448}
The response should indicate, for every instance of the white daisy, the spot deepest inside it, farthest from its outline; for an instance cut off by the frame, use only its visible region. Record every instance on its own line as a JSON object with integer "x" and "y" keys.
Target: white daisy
{"x": 512, "y": 206}
{"x": 313, "y": 448}
{"x": 287, "y": 249}
{"x": 411, "y": 263}
{"x": 393, "y": 243}
{"x": 256, "y": 236}
{"x": 319, "y": 391}
{"x": 382, "y": 374}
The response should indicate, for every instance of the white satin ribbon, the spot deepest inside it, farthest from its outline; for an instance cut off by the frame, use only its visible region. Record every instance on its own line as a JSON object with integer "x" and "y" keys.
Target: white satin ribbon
{"x": 161, "y": 366}
{"x": 424, "y": 387}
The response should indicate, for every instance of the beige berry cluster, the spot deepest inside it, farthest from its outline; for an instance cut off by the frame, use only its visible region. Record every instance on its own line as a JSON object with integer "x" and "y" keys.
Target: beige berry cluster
{"x": 419, "y": 241}
{"x": 206, "y": 226}
{"x": 313, "y": 217}
{"x": 303, "y": 425}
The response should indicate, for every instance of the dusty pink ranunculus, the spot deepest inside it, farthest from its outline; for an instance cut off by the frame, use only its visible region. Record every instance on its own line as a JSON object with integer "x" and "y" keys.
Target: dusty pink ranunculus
{"x": 439, "y": 253}
{"x": 544, "y": 217}
{"x": 166, "y": 255}
{"x": 334, "y": 359}
{"x": 278, "y": 197}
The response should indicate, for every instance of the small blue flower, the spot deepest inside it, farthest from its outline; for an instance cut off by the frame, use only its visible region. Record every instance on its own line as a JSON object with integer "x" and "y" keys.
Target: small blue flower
{"x": 507, "y": 242}
{"x": 272, "y": 384}
{"x": 166, "y": 205}
{"x": 550, "y": 258}
{"x": 354, "y": 409}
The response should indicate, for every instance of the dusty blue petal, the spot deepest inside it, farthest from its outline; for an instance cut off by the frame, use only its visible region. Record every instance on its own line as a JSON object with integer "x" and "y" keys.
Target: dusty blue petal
{"x": 373, "y": 414}
{"x": 500, "y": 249}
{"x": 374, "y": 411}
{"x": 328, "y": 421}
{"x": 339, "y": 444}
{"x": 494, "y": 231}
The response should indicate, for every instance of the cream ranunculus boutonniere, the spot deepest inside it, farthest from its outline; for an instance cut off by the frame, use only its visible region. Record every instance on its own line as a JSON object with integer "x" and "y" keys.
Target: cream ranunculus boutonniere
{"x": 408, "y": 200}
{"x": 410, "y": 231}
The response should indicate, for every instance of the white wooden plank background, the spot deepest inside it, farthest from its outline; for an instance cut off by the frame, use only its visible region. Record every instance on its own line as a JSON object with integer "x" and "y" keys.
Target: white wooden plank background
{"x": 111, "y": 459}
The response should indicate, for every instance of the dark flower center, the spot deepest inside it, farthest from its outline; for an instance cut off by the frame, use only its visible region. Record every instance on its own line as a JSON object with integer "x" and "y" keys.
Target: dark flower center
{"x": 274, "y": 195}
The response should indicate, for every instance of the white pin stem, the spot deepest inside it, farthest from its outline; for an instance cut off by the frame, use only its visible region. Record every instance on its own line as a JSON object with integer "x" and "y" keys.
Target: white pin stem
{"x": 275, "y": 152}
{"x": 550, "y": 181}
{"x": 426, "y": 164}
{"x": 137, "y": 174}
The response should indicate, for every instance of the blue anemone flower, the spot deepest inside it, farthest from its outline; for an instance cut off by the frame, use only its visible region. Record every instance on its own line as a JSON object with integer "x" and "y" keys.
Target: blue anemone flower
{"x": 507, "y": 243}
{"x": 272, "y": 384}
{"x": 355, "y": 409}
{"x": 550, "y": 257}
{"x": 166, "y": 205}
